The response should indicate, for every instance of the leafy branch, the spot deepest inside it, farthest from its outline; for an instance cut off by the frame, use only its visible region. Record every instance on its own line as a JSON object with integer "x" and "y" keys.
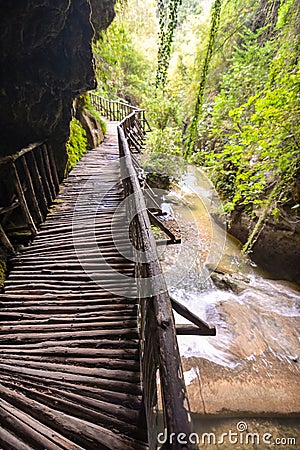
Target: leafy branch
{"x": 215, "y": 22}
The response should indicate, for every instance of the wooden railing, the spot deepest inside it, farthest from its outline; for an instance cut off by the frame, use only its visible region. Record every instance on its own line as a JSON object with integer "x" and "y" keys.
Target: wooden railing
{"x": 162, "y": 374}
{"x": 28, "y": 182}
{"x": 113, "y": 110}
{"x": 159, "y": 348}
{"x": 133, "y": 118}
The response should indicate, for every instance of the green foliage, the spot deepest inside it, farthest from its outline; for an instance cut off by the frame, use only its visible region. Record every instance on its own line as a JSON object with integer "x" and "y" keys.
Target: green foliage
{"x": 168, "y": 17}
{"x": 77, "y": 143}
{"x": 238, "y": 96}
{"x": 3, "y": 268}
{"x": 163, "y": 110}
{"x": 165, "y": 141}
{"x": 215, "y": 21}
{"x": 87, "y": 106}
{"x": 163, "y": 158}
{"x": 97, "y": 117}
{"x": 122, "y": 71}
{"x": 253, "y": 122}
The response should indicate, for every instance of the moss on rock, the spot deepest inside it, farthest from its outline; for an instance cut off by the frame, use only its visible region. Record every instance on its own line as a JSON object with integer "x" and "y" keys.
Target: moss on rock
{"x": 3, "y": 268}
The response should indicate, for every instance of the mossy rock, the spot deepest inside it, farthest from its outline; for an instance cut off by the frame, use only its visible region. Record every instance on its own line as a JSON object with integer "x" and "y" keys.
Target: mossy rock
{"x": 3, "y": 268}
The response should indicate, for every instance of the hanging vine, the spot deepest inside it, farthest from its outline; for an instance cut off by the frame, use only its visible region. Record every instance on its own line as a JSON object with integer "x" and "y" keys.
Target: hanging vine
{"x": 168, "y": 16}
{"x": 215, "y": 22}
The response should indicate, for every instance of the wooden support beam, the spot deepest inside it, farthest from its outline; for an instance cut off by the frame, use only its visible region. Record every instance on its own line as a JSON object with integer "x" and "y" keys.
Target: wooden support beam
{"x": 199, "y": 327}
{"x": 21, "y": 197}
{"x": 156, "y": 222}
{"x": 184, "y": 330}
{"x": 48, "y": 170}
{"x": 37, "y": 183}
{"x": 34, "y": 205}
{"x": 53, "y": 167}
{"x": 7, "y": 209}
{"x": 40, "y": 164}
{"x": 5, "y": 241}
{"x": 156, "y": 208}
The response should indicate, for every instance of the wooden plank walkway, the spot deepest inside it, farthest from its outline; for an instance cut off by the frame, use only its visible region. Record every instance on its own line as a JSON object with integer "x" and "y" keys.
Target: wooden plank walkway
{"x": 69, "y": 369}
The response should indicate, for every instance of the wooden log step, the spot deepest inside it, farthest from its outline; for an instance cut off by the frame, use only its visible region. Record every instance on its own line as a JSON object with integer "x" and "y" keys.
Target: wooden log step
{"x": 97, "y": 372}
{"x": 73, "y": 228}
{"x": 36, "y": 310}
{"x": 71, "y": 281}
{"x": 84, "y": 244}
{"x": 107, "y": 383}
{"x": 67, "y": 287}
{"x": 89, "y": 235}
{"x": 31, "y": 431}
{"x": 91, "y": 256}
{"x": 107, "y": 246}
{"x": 66, "y": 322}
{"x": 74, "y": 235}
{"x": 111, "y": 342}
{"x": 44, "y": 267}
{"x": 95, "y": 411}
{"x": 63, "y": 307}
{"x": 10, "y": 441}
{"x": 77, "y": 354}
{"x": 125, "y": 399}
{"x": 60, "y": 327}
{"x": 100, "y": 416}
{"x": 89, "y": 228}
{"x": 73, "y": 294}
{"x": 93, "y": 290}
{"x": 71, "y": 269}
{"x": 60, "y": 335}
{"x": 102, "y": 296}
{"x": 30, "y": 252}
{"x": 112, "y": 364}
{"x": 84, "y": 433}
{"x": 8, "y": 316}
{"x": 20, "y": 277}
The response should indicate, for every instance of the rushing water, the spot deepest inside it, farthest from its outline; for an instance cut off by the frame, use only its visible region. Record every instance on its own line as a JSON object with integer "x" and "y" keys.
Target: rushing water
{"x": 255, "y": 316}
{"x": 248, "y": 374}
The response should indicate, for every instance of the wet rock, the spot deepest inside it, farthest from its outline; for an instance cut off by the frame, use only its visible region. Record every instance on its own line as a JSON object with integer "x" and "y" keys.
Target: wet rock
{"x": 235, "y": 283}
{"x": 277, "y": 249}
{"x": 92, "y": 127}
{"x": 3, "y": 268}
{"x": 260, "y": 387}
{"x": 102, "y": 14}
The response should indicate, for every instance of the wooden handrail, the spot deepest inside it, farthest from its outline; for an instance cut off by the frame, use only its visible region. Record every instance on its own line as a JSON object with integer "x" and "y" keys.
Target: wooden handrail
{"x": 157, "y": 327}
{"x": 116, "y": 110}
{"x": 32, "y": 185}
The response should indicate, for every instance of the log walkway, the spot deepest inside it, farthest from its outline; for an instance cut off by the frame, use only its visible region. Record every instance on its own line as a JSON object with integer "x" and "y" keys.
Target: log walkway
{"x": 70, "y": 370}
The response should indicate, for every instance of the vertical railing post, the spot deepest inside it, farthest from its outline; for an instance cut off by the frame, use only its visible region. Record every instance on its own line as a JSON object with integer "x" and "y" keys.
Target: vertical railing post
{"x": 21, "y": 197}
{"x": 30, "y": 194}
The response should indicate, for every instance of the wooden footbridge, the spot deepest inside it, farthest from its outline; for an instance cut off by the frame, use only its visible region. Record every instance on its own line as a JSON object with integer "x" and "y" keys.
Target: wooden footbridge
{"x": 87, "y": 325}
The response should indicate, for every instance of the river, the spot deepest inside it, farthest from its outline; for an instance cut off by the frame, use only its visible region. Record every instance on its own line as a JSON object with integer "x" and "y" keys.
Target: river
{"x": 249, "y": 371}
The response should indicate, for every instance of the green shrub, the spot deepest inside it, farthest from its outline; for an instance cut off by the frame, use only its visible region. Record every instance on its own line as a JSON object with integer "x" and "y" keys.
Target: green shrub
{"x": 86, "y": 105}
{"x": 77, "y": 143}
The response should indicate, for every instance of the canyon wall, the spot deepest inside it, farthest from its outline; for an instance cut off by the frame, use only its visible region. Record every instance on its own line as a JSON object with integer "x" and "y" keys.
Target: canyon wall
{"x": 45, "y": 62}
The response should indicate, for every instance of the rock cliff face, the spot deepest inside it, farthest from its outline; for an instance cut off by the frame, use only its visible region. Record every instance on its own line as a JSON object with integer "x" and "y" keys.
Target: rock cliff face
{"x": 277, "y": 249}
{"x": 45, "y": 62}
